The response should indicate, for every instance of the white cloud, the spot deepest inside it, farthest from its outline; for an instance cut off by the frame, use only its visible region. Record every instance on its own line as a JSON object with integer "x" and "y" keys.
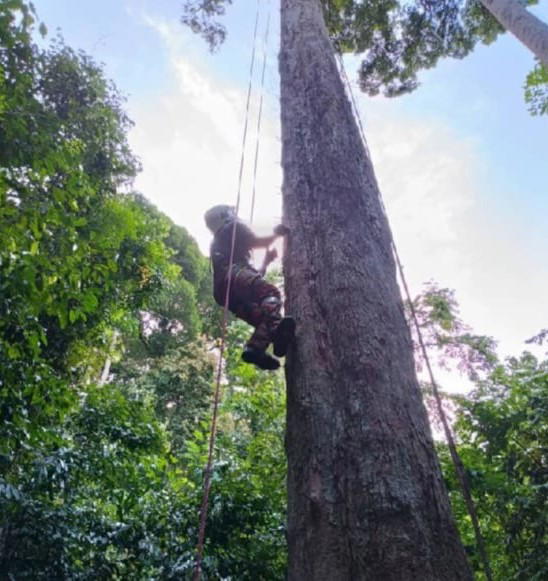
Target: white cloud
{"x": 429, "y": 184}
{"x": 190, "y": 142}
{"x": 443, "y": 212}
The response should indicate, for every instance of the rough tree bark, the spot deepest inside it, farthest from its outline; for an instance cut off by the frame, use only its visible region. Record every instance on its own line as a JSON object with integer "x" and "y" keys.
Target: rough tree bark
{"x": 523, "y": 24}
{"x": 366, "y": 497}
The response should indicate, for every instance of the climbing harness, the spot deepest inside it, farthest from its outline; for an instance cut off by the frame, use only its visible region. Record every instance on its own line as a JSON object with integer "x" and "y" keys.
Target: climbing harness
{"x": 216, "y": 398}
{"x": 455, "y": 457}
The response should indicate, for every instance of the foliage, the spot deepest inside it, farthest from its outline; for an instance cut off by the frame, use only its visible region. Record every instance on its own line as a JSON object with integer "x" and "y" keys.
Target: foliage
{"x": 444, "y": 333}
{"x": 75, "y": 257}
{"x": 501, "y": 431}
{"x": 536, "y": 90}
{"x": 178, "y": 383}
{"x": 87, "y": 509}
{"x": 200, "y": 16}
{"x": 504, "y": 442}
{"x": 400, "y": 39}
{"x": 246, "y": 521}
{"x": 77, "y": 261}
{"x": 397, "y": 38}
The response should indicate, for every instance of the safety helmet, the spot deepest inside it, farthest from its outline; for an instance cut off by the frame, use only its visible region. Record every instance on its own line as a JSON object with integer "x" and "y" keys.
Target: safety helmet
{"x": 218, "y": 216}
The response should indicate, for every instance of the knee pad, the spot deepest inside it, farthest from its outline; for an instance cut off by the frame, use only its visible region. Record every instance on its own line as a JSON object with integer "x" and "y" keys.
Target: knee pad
{"x": 271, "y": 304}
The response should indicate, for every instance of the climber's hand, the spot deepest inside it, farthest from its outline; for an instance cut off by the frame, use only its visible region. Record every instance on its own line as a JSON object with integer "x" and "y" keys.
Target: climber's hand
{"x": 271, "y": 254}
{"x": 281, "y": 230}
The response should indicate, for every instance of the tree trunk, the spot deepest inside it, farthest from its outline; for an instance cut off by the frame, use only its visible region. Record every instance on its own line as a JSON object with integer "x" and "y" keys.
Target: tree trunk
{"x": 366, "y": 497}
{"x": 524, "y": 25}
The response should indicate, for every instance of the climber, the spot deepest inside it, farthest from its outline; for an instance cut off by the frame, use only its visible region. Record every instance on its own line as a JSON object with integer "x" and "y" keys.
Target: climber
{"x": 251, "y": 297}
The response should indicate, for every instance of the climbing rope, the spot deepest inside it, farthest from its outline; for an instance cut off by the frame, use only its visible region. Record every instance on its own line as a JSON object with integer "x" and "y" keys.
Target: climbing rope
{"x": 455, "y": 457}
{"x": 260, "y": 116}
{"x": 217, "y": 394}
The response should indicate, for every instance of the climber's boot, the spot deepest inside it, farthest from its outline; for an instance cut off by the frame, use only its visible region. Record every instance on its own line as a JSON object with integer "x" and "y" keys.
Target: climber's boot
{"x": 283, "y": 336}
{"x": 260, "y": 358}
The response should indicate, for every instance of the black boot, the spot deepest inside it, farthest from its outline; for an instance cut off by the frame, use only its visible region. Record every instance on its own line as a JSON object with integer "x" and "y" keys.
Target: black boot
{"x": 260, "y": 358}
{"x": 283, "y": 336}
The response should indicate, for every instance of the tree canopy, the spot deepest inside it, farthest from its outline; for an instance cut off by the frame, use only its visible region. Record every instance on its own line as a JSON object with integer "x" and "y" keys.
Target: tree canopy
{"x": 397, "y": 39}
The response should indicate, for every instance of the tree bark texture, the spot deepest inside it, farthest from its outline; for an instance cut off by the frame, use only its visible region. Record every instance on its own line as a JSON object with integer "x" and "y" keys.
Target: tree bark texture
{"x": 366, "y": 496}
{"x": 523, "y": 24}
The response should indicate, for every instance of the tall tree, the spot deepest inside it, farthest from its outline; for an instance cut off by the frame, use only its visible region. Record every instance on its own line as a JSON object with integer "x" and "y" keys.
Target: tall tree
{"x": 523, "y": 24}
{"x": 365, "y": 493}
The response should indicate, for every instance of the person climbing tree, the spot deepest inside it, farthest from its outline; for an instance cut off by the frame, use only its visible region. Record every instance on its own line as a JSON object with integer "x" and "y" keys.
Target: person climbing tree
{"x": 250, "y": 297}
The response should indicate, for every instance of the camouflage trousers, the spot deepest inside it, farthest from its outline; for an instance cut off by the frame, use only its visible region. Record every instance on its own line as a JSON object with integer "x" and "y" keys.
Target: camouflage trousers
{"x": 255, "y": 301}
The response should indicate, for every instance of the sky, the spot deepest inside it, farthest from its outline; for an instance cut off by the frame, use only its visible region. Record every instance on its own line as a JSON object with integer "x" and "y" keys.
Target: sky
{"x": 461, "y": 164}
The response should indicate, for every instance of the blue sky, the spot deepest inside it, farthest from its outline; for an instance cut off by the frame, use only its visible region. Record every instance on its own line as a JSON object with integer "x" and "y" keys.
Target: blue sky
{"x": 461, "y": 163}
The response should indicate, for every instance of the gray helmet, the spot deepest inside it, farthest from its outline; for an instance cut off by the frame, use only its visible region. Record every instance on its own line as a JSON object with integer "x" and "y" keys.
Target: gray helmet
{"x": 218, "y": 216}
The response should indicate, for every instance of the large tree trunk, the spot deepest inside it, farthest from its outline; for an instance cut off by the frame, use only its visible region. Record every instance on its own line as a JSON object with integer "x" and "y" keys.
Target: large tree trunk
{"x": 524, "y": 25}
{"x": 366, "y": 498}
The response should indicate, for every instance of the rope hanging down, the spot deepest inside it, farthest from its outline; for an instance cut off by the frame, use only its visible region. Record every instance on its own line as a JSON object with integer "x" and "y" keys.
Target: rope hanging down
{"x": 455, "y": 457}
{"x": 216, "y": 398}
{"x": 260, "y": 115}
